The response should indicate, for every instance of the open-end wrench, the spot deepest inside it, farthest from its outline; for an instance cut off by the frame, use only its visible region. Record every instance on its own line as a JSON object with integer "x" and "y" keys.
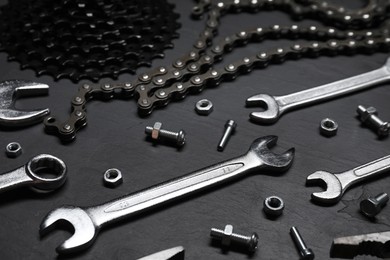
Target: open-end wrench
{"x": 275, "y": 106}
{"x": 10, "y": 90}
{"x": 338, "y": 183}
{"x": 87, "y": 221}
{"x": 34, "y": 173}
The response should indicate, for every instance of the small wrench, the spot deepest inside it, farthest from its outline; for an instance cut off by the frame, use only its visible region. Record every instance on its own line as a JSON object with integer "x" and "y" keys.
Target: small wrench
{"x": 10, "y": 90}
{"x": 88, "y": 221}
{"x": 32, "y": 174}
{"x": 275, "y": 106}
{"x": 338, "y": 183}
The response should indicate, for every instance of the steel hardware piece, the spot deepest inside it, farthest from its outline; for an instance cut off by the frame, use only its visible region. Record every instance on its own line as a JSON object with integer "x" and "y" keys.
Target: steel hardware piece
{"x": 273, "y": 206}
{"x": 375, "y": 244}
{"x": 275, "y": 106}
{"x": 112, "y": 177}
{"x": 338, "y": 183}
{"x": 372, "y": 206}
{"x": 156, "y": 133}
{"x": 11, "y": 90}
{"x": 87, "y": 221}
{"x": 13, "y": 150}
{"x": 306, "y": 253}
{"x": 369, "y": 117}
{"x": 204, "y": 107}
{"x": 230, "y": 128}
{"x": 175, "y": 253}
{"x": 328, "y": 127}
{"x": 227, "y": 237}
{"x": 32, "y": 174}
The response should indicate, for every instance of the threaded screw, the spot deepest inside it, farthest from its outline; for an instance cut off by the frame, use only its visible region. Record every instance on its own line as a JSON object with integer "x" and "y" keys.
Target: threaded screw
{"x": 372, "y": 206}
{"x": 306, "y": 253}
{"x": 369, "y": 117}
{"x": 156, "y": 132}
{"x": 227, "y": 237}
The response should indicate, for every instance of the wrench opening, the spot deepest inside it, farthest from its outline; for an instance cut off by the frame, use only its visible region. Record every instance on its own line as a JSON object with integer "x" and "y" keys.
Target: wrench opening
{"x": 270, "y": 105}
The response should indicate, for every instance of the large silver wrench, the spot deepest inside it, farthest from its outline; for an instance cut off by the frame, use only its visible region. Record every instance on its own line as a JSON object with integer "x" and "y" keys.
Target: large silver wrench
{"x": 32, "y": 174}
{"x": 87, "y": 221}
{"x": 275, "y": 106}
{"x": 338, "y": 183}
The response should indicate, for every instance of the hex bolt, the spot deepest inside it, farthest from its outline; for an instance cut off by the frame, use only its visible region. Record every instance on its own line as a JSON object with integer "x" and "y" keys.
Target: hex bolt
{"x": 306, "y": 253}
{"x": 156, "y": 133}
{"x": 227, "y": 237}
{"x": 372, "y": 206}
{"x": 230, "y": 127}
{"x": 369, "y": 116}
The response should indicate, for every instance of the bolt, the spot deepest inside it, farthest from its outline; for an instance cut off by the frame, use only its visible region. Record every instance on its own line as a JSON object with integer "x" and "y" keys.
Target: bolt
{"x": 369, "y": 116}
{"x": 156, "y": 133}
{"x": 372, "y": 206}
{"x": 306, "y": 253}
{"x": 227, "y": 237}
{"x": 230, "y": 127}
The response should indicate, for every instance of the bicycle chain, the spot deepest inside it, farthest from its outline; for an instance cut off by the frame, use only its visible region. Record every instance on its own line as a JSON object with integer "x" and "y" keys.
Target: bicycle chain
{"x": 194, "y": 71}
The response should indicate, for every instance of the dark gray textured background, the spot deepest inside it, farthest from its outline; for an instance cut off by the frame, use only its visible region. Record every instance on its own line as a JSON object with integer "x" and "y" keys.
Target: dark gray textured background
{"x": 115, "y": 137}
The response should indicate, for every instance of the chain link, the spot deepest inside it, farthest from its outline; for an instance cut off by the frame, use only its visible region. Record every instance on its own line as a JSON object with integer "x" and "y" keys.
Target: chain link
{"x": 353, "y": 31}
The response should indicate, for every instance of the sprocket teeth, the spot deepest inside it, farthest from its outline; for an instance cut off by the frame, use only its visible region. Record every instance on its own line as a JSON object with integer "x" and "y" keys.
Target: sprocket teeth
{"x": 75, "y": 41}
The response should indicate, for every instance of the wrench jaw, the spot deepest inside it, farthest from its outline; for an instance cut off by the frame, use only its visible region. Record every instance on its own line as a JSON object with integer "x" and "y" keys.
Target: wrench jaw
{"x": 333, "y": 189}
{"x": 268, "y": 159}
{"x": 85, "y": 230}
{"x": 271, "y": 113}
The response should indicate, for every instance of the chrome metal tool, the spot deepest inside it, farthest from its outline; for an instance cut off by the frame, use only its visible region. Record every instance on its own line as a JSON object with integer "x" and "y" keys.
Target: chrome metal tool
{"x": 87, "y": 221}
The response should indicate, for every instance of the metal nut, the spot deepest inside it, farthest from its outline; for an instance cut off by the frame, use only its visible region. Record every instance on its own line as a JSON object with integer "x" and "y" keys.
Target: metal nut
{"x": 156, "y": 130}
{"x": 328, "y": 127}
{"x": 13, "y": 150}
{"x": 112, "y": 177}
{"x": 204, "y": 107}
{"x": 273, "y": 206}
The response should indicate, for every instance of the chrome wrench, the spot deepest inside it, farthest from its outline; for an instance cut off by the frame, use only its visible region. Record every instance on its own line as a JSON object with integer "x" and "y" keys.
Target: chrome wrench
{"x": 338, "y": 183}
{"x": 87, "y": 221}
{"x": 32, "y": 174}
{"x": 275, "y": 106}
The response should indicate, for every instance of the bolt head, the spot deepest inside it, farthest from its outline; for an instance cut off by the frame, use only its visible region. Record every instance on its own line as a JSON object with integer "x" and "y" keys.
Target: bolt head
{"x": 181, "y": 138}
{"x": 307, "y": 254}
{"x": 253, "y": 242}
{"x": 370, "y": 207}
{"x": 384, "y": 129}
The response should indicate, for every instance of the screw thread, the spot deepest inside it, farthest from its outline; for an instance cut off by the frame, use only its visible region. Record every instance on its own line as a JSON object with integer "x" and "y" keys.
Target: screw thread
{"x": 297, "y": 239}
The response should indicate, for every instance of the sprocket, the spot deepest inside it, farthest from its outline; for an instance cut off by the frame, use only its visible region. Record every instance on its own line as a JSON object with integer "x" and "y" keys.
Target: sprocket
{"x": 86, "y": 39}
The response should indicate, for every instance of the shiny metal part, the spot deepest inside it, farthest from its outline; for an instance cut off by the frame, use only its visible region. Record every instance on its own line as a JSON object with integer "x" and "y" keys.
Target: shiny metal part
{"x": 328, "y": 127}
{"x": 204, "y": 107}
{"x": 13, "y": 150}
{"x": 375, "y": 244}
{"x": 35, "y": 174}
{"x": 273, "y": 206}
{"x": 275, "y": 106}
{"x": 370, "y": 207}
{"x": 11, "y": 90}
{"x": 230, "y": 128}
{"x": 87, "y": 221}
{"x": 369, "y": 117}
{"x": 156, "y": 133}
{"x": 306, "y": 253}
{"x": 175, "y": 253}
{"x": 227, "y": 237}
{"x": 338, "y": 183}
{"x": 112, "y": 177}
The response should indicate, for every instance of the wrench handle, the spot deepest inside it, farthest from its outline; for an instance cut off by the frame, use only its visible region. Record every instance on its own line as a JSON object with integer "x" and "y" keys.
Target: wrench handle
{"x": 173, "y": 189}
{"x": 333, "y": 90}
{"x": 363, "y": 172}
{"x": 13, "y": 179}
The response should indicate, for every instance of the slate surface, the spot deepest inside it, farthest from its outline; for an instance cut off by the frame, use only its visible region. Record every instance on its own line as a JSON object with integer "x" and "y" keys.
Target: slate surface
{"x": 115, "y": 137}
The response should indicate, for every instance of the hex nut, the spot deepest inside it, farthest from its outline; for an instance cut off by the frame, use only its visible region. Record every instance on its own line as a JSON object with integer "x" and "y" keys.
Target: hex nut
{"x": 273, "y": 206}
{"x": 13, "y": 150}
{"x": 204, "y": 107}
{"x": 328, "y": 127}
{"x": 112, "y": 177}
